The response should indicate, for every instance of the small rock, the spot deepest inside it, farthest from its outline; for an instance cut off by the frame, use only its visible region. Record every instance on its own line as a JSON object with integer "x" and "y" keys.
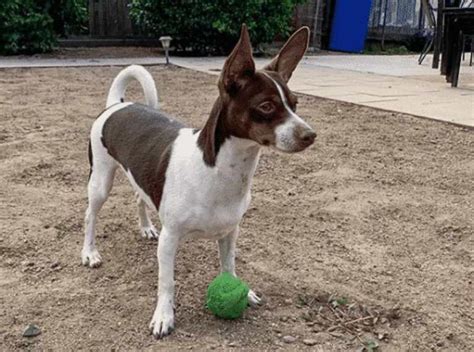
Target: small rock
{"x": 310, "y": 342}
{"x": 288, "y": 301}
{"x": 289, "y": 339}
{"x": 336, "y": 334}
{"x": 322, "y": 337}
{"x": 31, "y": 331}
{"x": 233, "y": 344}
{"x": 55, "y": 264}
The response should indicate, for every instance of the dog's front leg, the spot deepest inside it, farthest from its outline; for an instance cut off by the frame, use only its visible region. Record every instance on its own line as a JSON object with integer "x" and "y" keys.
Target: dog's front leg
{"x": 227, "y": 259}
{"x": 163, "y": 319}
{"x": 227, "y": 251}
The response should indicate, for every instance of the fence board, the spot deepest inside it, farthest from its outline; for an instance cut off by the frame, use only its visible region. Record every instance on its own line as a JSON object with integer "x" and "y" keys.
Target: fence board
{"x": 110, "y": 19}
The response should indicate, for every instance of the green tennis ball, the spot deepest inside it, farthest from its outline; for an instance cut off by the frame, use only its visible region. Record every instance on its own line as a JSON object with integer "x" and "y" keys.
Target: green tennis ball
{"x": 227, "y": 296}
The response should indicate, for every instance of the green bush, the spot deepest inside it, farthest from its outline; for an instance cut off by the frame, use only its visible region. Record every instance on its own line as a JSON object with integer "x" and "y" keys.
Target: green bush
{"x": 69, "y": 16}
{"x": 212, "y": 26}
{"x": 25, "y": 28}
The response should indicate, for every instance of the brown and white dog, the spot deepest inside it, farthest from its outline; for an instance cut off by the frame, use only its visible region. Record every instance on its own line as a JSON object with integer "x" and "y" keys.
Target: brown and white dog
{"x": 197, "y": 180}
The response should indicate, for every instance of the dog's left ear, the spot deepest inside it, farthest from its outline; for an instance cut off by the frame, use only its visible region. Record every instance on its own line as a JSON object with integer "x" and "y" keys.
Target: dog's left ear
{"x": 291, "y": 54}
{"x": 239, "y": 65}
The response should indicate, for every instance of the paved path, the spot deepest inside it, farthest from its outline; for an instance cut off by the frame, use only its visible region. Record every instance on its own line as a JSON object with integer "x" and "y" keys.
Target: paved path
{"x": 395, "y": 83}
{"x": 15, "y": 62}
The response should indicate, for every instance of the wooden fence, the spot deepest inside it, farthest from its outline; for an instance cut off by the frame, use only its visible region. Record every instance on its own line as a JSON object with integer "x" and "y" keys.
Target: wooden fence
{"x": 110, "y": 19}
{"x": 110, "y": 24}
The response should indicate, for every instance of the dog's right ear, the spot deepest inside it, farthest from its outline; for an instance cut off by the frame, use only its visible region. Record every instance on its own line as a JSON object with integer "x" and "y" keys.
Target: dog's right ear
{"x": 239, "y": 65}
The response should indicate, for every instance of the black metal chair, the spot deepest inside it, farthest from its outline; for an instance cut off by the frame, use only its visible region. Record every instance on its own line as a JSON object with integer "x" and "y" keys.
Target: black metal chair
{"x": 468, "y": 39}
{"x": 431, "y": 20}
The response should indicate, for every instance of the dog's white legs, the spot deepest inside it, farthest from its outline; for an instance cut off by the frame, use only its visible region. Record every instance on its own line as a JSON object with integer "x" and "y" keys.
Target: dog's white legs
{"x": 163, "y": 319}
{"x": 227, "y": 259}
{"x": 146, "y": 226}
{"x": 100, "y": 184}
{"x": 227, "y": 251}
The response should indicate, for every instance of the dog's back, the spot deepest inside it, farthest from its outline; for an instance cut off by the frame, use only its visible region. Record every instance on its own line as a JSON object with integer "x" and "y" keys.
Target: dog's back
{"x": 140, "y": 139}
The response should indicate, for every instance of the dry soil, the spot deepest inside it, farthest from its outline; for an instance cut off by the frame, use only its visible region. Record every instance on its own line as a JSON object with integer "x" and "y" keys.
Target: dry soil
{"x": 364, "y": 239}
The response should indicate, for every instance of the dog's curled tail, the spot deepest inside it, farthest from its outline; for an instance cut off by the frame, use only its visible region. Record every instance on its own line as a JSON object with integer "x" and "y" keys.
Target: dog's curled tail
{"x": 123, "y": 79}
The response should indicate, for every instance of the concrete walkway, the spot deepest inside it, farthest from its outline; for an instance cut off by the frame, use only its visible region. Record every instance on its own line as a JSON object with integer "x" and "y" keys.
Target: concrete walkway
{"x": 6, "y": 62}
{"x": 395, "y": 83}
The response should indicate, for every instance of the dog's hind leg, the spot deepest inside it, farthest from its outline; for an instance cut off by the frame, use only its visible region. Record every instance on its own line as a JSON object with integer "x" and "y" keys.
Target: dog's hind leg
{"x": 98, "y": 189}
{"x": 146, "y": 226}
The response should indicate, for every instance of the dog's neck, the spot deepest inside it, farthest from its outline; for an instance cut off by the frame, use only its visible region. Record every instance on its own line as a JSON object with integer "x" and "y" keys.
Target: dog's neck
{"x": 222, "y": 148}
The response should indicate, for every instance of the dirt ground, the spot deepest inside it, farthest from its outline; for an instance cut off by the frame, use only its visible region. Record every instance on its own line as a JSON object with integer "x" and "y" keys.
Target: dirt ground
{"x": 364, "y": 239}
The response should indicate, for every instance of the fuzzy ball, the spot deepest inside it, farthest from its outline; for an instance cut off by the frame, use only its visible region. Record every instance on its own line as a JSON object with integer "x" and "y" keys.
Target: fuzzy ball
{"x": 227, "y": 296}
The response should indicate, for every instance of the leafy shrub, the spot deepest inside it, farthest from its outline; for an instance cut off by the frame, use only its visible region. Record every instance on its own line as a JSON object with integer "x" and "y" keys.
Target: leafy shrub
{"x": 69, "y": 16}
{"x": 212, "y": 26}
{"x": 25, "y": 28}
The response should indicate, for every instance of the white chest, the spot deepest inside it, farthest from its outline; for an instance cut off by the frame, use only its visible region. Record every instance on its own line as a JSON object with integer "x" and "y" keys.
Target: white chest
{"x": 202, "y": 201}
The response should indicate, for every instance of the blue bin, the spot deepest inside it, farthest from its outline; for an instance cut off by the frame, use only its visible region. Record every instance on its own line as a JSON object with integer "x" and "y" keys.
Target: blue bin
{"x": 350, "y": 25}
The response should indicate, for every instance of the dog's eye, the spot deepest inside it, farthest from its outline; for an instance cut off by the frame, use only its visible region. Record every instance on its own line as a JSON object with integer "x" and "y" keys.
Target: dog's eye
{"x": 266, "y": 107}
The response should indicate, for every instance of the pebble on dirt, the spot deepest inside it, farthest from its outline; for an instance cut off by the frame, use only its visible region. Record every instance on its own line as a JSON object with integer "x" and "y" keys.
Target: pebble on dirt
{"x": 31, "y": 331}
{"x": 310, "y": 342}
{"x": 289, "y": 339}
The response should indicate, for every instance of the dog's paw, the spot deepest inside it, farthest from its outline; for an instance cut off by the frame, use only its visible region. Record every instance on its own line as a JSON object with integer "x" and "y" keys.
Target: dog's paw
{"x": 254, "y": 300}
{"x": 150, "y": 232}
{"x": 91, "y": 258}
{"x": 162, "y": 323}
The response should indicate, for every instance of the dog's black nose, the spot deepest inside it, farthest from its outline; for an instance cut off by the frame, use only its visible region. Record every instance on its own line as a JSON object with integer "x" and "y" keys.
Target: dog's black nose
{"x": 308, "y": 136}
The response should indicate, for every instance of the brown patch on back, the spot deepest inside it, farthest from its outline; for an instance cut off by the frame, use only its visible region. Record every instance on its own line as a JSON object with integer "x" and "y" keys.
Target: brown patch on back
{"x": 140, "y": 139}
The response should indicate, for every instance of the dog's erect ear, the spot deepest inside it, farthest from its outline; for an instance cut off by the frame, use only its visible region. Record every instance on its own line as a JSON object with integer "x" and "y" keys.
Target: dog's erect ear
{"x": 239, "y": 65}
{"x": 291, "y": 54}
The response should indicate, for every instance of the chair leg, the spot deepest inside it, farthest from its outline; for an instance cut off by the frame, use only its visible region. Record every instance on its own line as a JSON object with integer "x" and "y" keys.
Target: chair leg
{"x": 457, "y": 60}
{"x": 472, "y": 49}
{"x": 426, "y": 50}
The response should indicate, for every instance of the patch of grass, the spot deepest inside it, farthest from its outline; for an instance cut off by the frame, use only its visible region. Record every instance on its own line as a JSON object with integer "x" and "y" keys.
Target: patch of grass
{"x": 374, "y": 48}
{"x": 371, "y": 346}
{"x": 339, "y": 302}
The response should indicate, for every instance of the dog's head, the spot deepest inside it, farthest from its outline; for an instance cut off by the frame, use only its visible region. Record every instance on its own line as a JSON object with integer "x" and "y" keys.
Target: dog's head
{"x": 258, "y": 103}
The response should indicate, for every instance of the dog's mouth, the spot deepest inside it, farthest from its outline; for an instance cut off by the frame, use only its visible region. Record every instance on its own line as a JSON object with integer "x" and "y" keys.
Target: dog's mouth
{"x": 294, "y": 149}
{"x": 293, "y": 145}
{"x": 287, "y": 145}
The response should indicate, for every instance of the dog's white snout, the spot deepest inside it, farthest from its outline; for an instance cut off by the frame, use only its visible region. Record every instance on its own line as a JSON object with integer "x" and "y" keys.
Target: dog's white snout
{"x": 294, "y": 135}
{"x": 307, "y": 136}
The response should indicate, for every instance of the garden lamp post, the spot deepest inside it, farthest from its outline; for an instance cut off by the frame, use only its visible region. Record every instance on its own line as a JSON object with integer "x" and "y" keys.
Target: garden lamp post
{"x": 165, "y": 42}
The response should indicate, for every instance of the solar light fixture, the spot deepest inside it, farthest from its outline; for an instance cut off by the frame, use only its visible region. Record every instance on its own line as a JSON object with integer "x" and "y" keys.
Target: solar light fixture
{"x": 165, "y": 43}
